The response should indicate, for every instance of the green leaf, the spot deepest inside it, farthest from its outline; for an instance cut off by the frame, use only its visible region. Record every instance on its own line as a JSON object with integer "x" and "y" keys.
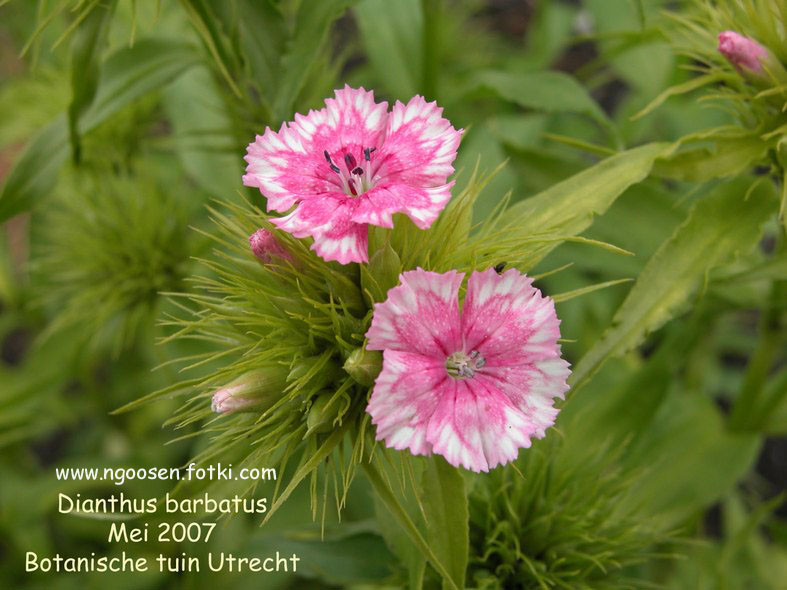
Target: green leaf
{"x": 208, "y": 25}
{"x": 446, "y": 513}
{"x": 568, "y": 208}
{"x": 391, "y": 33}
{"x": 263, "y": 35}
{"x": 201, "y": 130}
{"x": 312, "y": 23}
{"x": 551, "y": 92}
{"x": 133, "y": 72}
{"x": 337, "y": 559}
{"x": 398, "y": 540}
{"x": 36, "y": 170}
{"x": 126, "y": 76}
{"x": 688, "y": 86}
{"x": 721, "y": 225}
{"x": 382, "y": 272}
{"x": 729, "y": 157}
{"x": 691, "y": 459}
{"x": 386, "y": 496}
{"x": 85, "y": 64}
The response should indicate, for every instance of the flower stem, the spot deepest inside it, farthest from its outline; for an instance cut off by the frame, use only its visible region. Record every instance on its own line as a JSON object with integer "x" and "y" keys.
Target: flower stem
{"x": 746, "y": 407}
{"x": 397, "y": 510}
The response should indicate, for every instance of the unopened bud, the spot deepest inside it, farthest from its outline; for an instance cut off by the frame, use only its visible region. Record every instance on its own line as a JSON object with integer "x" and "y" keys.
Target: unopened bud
{"x": 254, "y": 391}
{"x": 321, "y": 417}
{"x": 744, "y": 53}
{"x": 267, "y": 247}
{"x": 364, "y": 365}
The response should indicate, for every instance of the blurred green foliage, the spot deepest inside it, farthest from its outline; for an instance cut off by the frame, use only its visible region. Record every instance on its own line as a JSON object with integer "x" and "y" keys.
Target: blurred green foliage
{"x": 122, "y": 120}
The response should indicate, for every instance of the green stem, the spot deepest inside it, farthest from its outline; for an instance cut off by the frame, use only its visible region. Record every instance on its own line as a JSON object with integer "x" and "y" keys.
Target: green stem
{"x": 768, "y": 347}
{"x": 397, "y": 510}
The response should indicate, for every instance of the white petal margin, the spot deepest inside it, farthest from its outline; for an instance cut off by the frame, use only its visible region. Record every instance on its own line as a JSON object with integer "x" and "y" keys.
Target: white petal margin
{"x": 405, "y": 396}
{"x": 420, "y": 315}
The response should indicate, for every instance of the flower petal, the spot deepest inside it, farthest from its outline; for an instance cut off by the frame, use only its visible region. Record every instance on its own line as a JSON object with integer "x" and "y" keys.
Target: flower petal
{"x": 508, "y": 320}
{"x": 476, "y": 426}
{"x": 290, "y": 165}
{"x": 329, "y": 221}
{"x": 352, "y": 118}
{"x": 515, "y": 329}
{"x": 419, "y": 148}
{"x": 285, "y": 170}
{"x": 405, "y": 396}
{"x": 421, "y": 204}
{"x": 420, "y": 315}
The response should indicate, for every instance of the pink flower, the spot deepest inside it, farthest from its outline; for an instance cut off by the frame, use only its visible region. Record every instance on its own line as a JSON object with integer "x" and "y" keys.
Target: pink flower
{"x": 473, "y": 387}
{"x": 266, "y": 247}
{"x": 742, "y": 52}
{"x": 352, "y": 164}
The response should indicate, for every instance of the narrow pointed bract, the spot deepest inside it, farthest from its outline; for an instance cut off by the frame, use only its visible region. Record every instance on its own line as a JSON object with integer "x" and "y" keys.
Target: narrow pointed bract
{"x": 474, "y": 386}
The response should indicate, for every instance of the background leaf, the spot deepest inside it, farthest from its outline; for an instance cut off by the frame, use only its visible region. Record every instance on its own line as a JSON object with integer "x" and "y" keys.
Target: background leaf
{"x": 718, "y": 227}
{"x": 126, "y": 76}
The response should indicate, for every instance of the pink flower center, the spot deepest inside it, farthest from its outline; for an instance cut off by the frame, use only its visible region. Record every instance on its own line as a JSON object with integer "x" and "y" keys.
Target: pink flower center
{"x": 356, "y": 179}
{"x": 461, "y": 365}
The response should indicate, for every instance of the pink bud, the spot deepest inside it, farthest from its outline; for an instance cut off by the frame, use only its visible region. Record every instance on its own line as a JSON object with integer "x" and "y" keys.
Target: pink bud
{"x": 742, "y": 52}
{"x": 267, "y": 248}
{"x": 224, "y": 401}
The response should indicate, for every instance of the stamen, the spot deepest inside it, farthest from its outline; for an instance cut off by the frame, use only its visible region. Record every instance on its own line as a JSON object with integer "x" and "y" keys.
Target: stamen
{"x": 499, "y": 267}
{"x": 334, "y": 167}
{"x": 357, "y": 171}
{"x": 352, "y": 187}
{"x": 349, "y": 159}
{"x": 461, "y": 365}
{"x": 368, "y": 153}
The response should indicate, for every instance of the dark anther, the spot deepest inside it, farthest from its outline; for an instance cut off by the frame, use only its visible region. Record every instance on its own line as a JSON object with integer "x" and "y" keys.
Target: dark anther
{"x": 352, "y": 187}
{"x": 499, "y": 267}
{"x": 357, "y": 170}
{"x": 334, "y": 167}
{"x": 349, "y": 159}
{"x": 368, "y": 153}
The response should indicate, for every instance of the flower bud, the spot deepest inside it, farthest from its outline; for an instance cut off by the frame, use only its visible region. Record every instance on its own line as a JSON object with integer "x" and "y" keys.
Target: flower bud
{"x": 744, "y": 53}
{"x": 364, "y": 365}
{"x": 321, "y": 417}
{"x": 267, "y": 248}
{"x": 254, "y": 391}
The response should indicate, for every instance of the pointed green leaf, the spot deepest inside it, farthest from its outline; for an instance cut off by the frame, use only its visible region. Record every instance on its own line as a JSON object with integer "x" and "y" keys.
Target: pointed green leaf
{"x": 392, "y": 37}
{"x": 446, "y": 512}
{"x": 386, "y": 496}
{"x": 718, "y": 227}
{"x": 569, "y": 207}
{"x": 312, "y": 23}
{"x": 551, "y": 92}
{"x": 85, "y": 66}
{"x": 729, "y": 157}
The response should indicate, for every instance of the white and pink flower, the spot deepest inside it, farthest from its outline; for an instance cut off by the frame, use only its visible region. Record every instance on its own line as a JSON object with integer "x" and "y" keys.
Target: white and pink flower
{"x": 474, "y": 386}
{"x": 352, "y": 164}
